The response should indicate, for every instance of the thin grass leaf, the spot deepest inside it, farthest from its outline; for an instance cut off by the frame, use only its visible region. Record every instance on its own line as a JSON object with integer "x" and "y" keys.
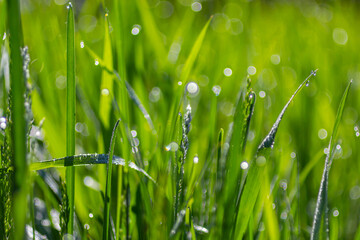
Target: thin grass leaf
{"x": 321, "y": 203}
{"x": 85, "y": 160}
{"x": 70, "y": 115}
{"x": 106, "y": 226}
{"x": 18, "y": 129}
{"x": 151, "y": 31}
{"x": 106, "y": 78}
{"x": 238, "y": 136}
{"x": 256, "y": 170}
{"x": 175, "y": 107}
{"x": 130, "y": 90}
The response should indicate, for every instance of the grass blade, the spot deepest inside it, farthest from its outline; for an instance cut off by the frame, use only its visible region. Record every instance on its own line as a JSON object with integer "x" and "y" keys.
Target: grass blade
{"x": 84, "y": 160}
{"x": 18, "y": 130}
{"x": 256, "y": 171}
{"x": 106, "y": 78}
{"x": 321, "y": 203}
{"x": 106, "y": 226}
{"x": 175, "y": 107}
{"x": 70, "y": 115}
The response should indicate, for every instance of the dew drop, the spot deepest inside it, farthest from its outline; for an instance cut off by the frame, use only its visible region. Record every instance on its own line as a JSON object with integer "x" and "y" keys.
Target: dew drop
{"x": 336, "y": 213}
{"x": 244, "y": 165}
{"x": 262, "y": 94}
{"x": 3, "y": 123}
{"x": 307, "y": 83}
{"x": 135, "y": 29}
{"x": 91, "y": 215}
{"x": 105, "y": 92}
{"x": 179, "y": 83}
{"x": 82, "y": 44}
{"x": 227, "y": 72}
{"x": 96, "y": 62}
{"x": 4, "y": 36}
{"x": 216, "y": 89}
{"x": 173, "y": 146}
{"x": 196, "y": 159}
{"x": 251, "y": 70}
{"x": 133, "y": 133}
{"x": 192, "y": 88}
{"x": 196, "y": 6}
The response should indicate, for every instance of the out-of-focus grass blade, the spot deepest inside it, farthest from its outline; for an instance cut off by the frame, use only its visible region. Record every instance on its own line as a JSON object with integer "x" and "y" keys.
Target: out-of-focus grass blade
{"x": 106, "y": 78}
{"x": 183, "y": 78}
{"x": 70, "y": 115}
{"x": 106, "y": 226}
{"x": 18, "y": 133}
{"x": 256, "y": 171}
{"x": 129, "y": 89}
{"x": 84, "y": 160}
{"x": 321, "y": 203}
{"x": 152, "y": 33}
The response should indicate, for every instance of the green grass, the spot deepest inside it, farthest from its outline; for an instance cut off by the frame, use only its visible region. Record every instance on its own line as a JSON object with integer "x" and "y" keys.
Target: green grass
{"x": 193, "y": 93}
{"x": 70, "y": 115}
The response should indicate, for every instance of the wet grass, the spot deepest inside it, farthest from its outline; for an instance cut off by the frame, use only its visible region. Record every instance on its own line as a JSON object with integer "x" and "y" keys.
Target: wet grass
{"x": 173, "y": 101}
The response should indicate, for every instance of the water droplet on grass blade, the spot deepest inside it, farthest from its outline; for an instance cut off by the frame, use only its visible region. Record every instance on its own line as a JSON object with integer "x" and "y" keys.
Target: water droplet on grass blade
{"x": 192, "y": 88}
{"x": 216, "y": 89}
{"x": 336, "y": 213}
{"x": 96, "y": 62}
{"x": 196, "y": 159}
{"x": 244, "y": 165}
{"x": 308, "y": 82}
{"x": 133, "y": 133}
{"x": 227, "y": 72}
{"x": 173, "y": 146}
{"x": 105, "y": 92}
{"x": 196, "y": 6}
{"x": 3, "y": 123}
{"x": 86, "y": 226}
{"x": 82, "y": 44}
{"x": 261, "y": 161}
{"x": 135, "y": 29}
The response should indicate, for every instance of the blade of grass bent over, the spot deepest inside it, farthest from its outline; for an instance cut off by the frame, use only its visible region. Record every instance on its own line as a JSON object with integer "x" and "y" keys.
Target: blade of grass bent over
{"x": 108, "y": 185}
{"x": 256, "y": 170}
{"x": 18, "y": 132}
{"x": 70, "y": 115}
{"x": 321, "y": 203}
{"x": 85, "y": 160}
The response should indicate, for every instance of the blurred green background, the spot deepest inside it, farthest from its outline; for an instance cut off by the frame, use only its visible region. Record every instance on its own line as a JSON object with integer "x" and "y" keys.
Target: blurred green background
{"x": 277, "y": 43}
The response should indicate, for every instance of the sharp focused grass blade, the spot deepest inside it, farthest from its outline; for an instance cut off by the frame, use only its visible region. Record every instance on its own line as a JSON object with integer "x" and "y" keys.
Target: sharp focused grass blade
{"x": 18, "y": 133}
{"x": 256, "y": 171}
{"x": 321, "y": 204}
{"x": 70, "y": 115}
{"x": 108, "y": 185}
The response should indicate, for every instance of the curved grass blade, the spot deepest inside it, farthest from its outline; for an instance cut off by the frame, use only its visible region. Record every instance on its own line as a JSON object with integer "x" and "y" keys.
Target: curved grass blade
{"x": 70, "y": 115}
{"x": 270, "y": 138}
{"x": 256, "y": 171}
{"x": 84, "y": 160}
{"x": 18, "y": 132}
{"x": 130, "y": 90}
{"x": 108, "y": 185}
{"x": 321, "y": 203}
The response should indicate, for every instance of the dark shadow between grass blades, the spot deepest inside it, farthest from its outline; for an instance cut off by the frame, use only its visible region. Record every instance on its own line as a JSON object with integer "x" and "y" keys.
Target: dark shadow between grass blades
{"x": 85, "y": 160}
